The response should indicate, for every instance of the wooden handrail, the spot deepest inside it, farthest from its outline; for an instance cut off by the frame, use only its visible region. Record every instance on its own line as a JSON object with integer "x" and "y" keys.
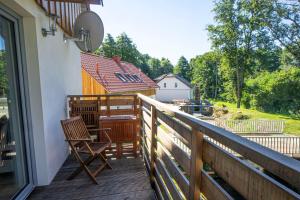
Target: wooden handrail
{"x": 281, "y": 166}
{"x": 104, "y": 95}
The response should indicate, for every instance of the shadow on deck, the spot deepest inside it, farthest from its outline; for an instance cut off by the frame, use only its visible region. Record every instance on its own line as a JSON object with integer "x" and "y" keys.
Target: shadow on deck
{"x": 127, "y": 180}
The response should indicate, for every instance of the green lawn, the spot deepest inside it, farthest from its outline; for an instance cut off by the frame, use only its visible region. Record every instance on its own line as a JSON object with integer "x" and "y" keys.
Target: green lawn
{"x": 292, "y": 126}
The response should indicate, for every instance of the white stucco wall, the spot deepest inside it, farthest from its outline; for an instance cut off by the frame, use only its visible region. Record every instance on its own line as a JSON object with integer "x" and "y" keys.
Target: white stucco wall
{"x": 54, "y": 71}
{"x": 170, "y": 92}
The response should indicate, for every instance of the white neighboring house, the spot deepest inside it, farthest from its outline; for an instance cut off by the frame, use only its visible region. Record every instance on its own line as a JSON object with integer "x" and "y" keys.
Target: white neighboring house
{"x": 172, "y": 87}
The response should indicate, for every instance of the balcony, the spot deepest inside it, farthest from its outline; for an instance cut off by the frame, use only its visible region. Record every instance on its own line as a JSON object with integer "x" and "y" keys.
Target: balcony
{"x": 179, "y": 157}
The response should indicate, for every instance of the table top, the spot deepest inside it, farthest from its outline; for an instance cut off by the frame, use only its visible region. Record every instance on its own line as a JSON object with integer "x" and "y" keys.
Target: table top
{"x": 117, "y": 117}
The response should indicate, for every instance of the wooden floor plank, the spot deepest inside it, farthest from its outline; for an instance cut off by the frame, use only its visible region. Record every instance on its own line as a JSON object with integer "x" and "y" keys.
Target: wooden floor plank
{"x": 127, "y": 180}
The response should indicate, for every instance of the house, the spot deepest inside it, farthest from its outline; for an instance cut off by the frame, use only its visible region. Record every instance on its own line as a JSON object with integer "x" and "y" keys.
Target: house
{"x": 173, "y": 87}
{"x": 39, "y": 72}
{"x": 102, "y": 75}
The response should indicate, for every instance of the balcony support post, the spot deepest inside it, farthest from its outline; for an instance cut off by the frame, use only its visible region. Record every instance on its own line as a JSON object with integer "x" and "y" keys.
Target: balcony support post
{"x": 196, "y": 164}
{"x": 153, "y": 142}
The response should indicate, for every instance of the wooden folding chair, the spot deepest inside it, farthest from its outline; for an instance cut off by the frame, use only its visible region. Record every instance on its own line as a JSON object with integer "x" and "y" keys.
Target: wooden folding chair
{"x": 80, "y": 141}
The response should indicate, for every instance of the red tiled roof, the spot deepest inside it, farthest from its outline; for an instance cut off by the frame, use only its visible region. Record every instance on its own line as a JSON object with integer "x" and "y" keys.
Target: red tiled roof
{"x": 103, "y": 71}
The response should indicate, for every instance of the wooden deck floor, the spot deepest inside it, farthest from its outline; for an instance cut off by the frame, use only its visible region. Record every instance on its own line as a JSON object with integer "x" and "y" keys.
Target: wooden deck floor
{"x": 127, "y": 180}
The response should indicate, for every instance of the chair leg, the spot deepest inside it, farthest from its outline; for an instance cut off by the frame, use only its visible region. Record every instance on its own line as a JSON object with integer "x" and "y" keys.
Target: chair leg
{"x": 101, "y": 167}
{"x": 88, "y": 161}
{"x": 105, "y": 161}
{"x": 91, "y": 175}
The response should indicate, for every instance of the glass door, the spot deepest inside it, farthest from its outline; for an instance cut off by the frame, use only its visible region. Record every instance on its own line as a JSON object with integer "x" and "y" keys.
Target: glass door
{"x": 13, "y": 167}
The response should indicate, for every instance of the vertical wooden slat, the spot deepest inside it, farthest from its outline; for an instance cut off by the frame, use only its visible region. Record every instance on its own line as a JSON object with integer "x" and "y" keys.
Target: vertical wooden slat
{"x": 153, "y": 141}
{"x": 69, "y": 19}
{"x": 108, "y": 106}
{"x": 65, "y": 15}
{"x": 196, "y": 164}
{"x": 141, "y": 125}
{"x": 60, "y": 14}
{"x": 135, "y": 105}
{"x": 49, "y": 7}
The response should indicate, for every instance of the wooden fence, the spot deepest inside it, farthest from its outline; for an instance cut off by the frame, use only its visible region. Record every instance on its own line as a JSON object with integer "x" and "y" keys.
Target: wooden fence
{"x": 204, "y": 168}
{"x": 252, "y": 126}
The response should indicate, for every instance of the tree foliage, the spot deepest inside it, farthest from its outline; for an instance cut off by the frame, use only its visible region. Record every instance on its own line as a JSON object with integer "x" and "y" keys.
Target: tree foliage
{"x": 275, "y": 92}
{"x": 206, "y": 74}
{"x": 281, "y": 18}
{"x": 3, "y": 74}
{"x": 183, "y": 68}
{"x": 240, "y": 38}
{"x": 124, "y": 47}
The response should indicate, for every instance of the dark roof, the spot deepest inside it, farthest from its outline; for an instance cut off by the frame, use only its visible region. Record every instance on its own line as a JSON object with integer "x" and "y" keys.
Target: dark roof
{"x": 106, "y": 72}
{"x": 183, "y": 80}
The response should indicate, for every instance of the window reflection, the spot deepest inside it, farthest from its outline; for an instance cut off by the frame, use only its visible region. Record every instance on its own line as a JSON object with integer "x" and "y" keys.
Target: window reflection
{"x": 12, "y": 159}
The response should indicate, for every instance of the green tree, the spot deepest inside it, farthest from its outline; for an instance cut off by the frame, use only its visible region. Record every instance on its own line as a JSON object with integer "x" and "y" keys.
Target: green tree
{"x": 238, "y": 36}
{"x": 183, "y": 68}
{"x": 281, "y": 18}
{"x": 166, "y": 66}
{"x": 276, "y": 92}
{"x": 206, "y": 74}
{"x": 126, "y": 49}
{"x": 108, "y": 48}
{"x": 154, "y": 66}
{"x": 3, "y": 74}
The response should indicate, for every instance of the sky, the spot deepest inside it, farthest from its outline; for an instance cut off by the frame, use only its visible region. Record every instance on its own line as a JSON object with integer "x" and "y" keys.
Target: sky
{"x": 161, "y": 28}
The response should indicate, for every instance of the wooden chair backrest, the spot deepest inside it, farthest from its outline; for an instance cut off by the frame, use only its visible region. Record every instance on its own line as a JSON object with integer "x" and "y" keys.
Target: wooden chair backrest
{"x": 88, "y": 110}
{"x": 74, "y": 129}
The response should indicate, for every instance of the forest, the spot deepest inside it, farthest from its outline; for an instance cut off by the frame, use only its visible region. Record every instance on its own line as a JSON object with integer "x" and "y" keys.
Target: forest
{"x": 254, "y": 60}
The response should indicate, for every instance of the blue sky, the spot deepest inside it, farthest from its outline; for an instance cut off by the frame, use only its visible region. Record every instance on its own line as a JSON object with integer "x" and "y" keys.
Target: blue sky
{"x": 161, "y": 28}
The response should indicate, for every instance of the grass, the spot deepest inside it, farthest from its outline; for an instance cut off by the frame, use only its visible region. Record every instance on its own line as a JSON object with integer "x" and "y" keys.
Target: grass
{"x": 292, "y": 126}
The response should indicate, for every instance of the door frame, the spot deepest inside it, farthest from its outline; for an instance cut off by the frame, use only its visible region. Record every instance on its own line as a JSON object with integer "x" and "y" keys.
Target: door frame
{"x": 24, "y": 98}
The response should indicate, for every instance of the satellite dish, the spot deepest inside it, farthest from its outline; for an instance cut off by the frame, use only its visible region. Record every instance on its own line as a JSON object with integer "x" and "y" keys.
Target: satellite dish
{"x": 88, "y": 31}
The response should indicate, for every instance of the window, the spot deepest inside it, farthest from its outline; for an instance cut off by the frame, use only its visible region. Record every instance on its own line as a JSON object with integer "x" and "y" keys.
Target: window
{"x": 138, "y": 79}
{"x": 176, "y": 85}
{"x": 165, "y": 85}
{"x": 121, "y": 77}
{"x": 130, "y": 78}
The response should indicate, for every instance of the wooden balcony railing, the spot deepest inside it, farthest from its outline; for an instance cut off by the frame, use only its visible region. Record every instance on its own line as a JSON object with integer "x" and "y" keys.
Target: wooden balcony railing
{"x": 187, "y": 157}
{"x": 203, "y": 168}
{"x": 67, "y": 10}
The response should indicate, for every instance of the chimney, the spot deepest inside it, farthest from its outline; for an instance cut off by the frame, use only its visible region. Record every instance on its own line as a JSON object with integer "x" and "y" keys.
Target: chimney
{"x": 117, "y": 59}
{"x": 97, "y": 69}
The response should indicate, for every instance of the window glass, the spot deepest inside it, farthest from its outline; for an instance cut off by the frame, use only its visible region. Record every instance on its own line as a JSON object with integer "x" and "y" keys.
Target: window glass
{"x": 13, "y": 171}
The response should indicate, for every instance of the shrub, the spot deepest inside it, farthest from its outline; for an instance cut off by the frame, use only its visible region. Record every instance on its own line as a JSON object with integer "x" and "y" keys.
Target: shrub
{"x": 275, "y": 92}
{"x": 240, "y": 116}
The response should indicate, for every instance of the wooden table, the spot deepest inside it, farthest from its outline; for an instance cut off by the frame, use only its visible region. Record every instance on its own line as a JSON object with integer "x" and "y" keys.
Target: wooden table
{"x": 124, "y": 129}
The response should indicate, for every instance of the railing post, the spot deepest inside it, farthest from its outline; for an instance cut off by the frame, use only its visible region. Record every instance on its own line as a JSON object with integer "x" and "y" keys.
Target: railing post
{"x": 141, "y": 127}
{"x": 135, "y": 102}
{"x": 153, "y": 141}
{"x": 108, "y": 106}
{"x": 136, "y": 125}
{"x": 196, "y": 164}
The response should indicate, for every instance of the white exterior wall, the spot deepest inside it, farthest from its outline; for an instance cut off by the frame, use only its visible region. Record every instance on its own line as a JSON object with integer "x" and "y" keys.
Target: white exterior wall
{"x": 170, "y": 93}
{"x": 54, "y": 71}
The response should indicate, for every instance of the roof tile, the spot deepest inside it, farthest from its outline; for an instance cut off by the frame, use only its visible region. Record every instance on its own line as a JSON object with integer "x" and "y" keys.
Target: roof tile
{"x": 105, "y": 75}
